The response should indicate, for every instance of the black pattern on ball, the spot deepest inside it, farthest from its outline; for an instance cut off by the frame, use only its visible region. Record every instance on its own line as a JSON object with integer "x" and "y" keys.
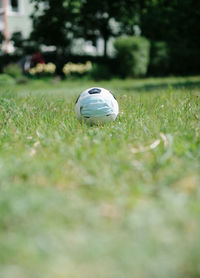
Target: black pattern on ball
{"x": 94, "y": 91}
{"x": 112, "y": 95}
{"x": 77, "y": 99}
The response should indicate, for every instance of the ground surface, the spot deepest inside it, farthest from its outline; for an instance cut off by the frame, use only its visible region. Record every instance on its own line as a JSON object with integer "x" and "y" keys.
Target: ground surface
{"x": 114, "y": 201}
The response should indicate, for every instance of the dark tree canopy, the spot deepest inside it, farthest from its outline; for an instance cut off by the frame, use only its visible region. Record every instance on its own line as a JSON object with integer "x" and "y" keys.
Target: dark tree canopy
{"x": 57, "y": 23}
{"x": 61, "y": 21}
{"x": 174, "y": 22}
{"x": 177, "y": 23}
{"x": 98, "y": 17}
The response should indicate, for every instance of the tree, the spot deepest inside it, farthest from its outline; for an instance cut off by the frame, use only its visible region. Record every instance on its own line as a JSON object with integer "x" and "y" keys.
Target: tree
{"x": 97, "y": 18}
{"x": 57, "y": 23}
{"x": 176, "y": 22}
{"x": 1, "y": 40}
{"x": 62, "y": 21}
{"x": 170, "y": 20}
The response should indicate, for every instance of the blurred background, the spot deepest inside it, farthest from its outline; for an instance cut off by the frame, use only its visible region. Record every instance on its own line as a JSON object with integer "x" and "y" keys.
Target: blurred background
{"x": 100, "y": 39}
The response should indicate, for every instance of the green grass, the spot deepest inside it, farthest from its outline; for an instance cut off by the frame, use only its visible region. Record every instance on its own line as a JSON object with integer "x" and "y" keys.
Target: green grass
{"x": 100, "y": 202}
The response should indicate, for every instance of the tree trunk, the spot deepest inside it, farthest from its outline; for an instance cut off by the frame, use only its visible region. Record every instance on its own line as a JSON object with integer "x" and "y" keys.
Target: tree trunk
{"x": 5, "y": 19}
{"x": 105, "y": 47}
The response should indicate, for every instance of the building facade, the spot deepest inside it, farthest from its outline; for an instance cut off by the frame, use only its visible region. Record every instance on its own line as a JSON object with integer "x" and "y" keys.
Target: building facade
{"x": 15, "y": 17}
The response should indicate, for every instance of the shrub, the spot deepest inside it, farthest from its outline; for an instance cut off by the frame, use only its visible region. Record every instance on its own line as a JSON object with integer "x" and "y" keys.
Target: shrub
{"x": 159, "y": 59}
{"x": 14, "y": 70}
{"x": 6, "y": 79}
{"x": 100, "y": 71}
{"x": 132, "y": 54}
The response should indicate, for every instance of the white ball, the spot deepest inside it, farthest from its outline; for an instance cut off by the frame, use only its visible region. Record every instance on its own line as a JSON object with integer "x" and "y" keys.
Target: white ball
{"x": 96, "y": 105}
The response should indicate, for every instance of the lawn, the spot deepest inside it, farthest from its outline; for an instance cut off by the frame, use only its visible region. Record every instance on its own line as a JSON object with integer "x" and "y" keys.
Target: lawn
{"x": 115, "y": 201}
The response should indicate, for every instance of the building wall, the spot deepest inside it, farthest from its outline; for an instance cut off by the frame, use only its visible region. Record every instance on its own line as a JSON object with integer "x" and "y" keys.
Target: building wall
{"x": 20, "y": 20}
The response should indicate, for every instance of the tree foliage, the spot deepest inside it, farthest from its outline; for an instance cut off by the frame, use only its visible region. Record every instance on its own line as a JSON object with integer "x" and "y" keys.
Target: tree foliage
{"x": 177, "y": 23}
{"x": 61, "y": 21}
{"x": 174, "y": 23}
{"x": 55, "y": 22}
{"x": 173, "y": 20}
{"x": 103, "y": 18}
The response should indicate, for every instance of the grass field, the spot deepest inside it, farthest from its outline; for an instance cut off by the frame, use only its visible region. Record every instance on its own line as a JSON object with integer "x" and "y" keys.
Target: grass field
{"x": 114, "y": 201}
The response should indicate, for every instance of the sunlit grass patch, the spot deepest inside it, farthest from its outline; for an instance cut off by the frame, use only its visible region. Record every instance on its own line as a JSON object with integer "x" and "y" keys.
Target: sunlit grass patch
{"x": 116, "y": 200}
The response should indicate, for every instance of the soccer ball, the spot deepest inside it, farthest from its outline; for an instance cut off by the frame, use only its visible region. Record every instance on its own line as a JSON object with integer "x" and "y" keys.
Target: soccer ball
{"x": 96, "y": 105}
